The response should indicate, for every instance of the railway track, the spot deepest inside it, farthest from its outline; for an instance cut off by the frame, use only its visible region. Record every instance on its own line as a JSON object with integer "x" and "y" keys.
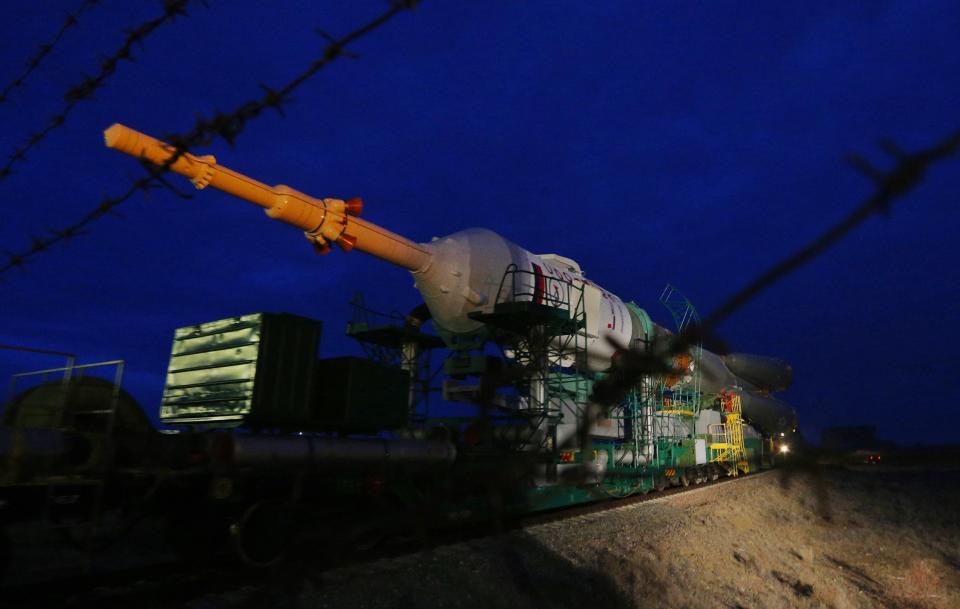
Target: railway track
{"x": 533, "y": 523}
{"x": 175, "y": 583}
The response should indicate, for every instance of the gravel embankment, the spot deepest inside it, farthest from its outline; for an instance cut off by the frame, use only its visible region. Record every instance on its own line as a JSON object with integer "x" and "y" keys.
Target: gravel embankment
{"x": 836, "y": 538}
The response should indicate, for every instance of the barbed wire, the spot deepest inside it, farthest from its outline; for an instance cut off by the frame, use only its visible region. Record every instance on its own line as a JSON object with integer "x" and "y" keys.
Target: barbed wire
{"x": 34, "y": 61}
{"x": 908, "y": 171}
{"x": 891, "y": 185}
{"x": 85, "y": 89}
{"x": 632, "y": 364}
{"x": 224, "y": 125}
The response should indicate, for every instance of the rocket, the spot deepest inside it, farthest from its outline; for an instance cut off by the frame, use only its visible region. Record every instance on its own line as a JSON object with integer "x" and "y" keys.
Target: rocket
{"x": 462, "y": 274}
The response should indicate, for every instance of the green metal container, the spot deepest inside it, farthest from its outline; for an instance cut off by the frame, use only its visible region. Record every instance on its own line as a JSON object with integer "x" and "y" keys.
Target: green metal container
{"x": 254, "y": 370}
{"x": 355, "y": 394}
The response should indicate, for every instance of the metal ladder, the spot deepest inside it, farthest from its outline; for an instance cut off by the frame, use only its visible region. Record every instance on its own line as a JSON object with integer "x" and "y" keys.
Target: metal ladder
{"x": 64, "y": 493}
{"x": 727, "y": 447}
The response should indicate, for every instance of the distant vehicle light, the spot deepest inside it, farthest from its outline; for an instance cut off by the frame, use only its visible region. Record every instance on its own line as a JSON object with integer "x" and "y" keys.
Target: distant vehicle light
{"x": 782, "y": 434}
{"x": 784, "y": 448}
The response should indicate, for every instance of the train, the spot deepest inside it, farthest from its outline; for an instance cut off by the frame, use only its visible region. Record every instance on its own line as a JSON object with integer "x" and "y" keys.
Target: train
{"x": 264, "y": 445}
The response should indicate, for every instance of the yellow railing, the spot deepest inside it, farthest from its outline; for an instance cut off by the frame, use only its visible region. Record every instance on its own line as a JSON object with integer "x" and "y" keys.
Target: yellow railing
{"x": 727, "y": 446}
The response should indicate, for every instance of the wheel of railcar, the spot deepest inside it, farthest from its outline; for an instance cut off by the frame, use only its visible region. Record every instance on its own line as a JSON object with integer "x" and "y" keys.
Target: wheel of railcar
{"x": 714, "y": 472}
{"x": 366, "y": 537}
{"x": 262, "y": 534}
{"x": 685, "y": 479}
{"x": 661, "y": 484}
{"x": 196, "y": 534}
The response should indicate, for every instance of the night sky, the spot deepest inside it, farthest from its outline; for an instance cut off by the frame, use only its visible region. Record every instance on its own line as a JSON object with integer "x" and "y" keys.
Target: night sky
{"x": 690, "y": 143}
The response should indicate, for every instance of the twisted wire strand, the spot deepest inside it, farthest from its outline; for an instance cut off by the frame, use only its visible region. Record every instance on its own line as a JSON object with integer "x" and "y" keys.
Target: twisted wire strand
{"x": 227, "y": 126}
{"x": 45, "y": 49}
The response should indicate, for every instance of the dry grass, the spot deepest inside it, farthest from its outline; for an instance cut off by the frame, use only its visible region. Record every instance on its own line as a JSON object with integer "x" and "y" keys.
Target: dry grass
{"x": 921, "y": 586}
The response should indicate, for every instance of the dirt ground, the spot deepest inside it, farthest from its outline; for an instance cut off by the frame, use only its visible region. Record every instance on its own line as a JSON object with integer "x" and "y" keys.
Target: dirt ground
{"x": 815, "y": 538}
{"x": 824, "y": 537}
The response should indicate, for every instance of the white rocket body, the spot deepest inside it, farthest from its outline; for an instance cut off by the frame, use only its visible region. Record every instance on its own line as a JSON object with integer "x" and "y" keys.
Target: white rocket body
{"x": 466, "y": 273}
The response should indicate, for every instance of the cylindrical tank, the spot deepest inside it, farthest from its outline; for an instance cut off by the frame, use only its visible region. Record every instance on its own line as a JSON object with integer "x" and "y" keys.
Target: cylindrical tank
{"x": 251, "y": 449}
{"x": 768, "y": 414}
{"x": 762, "y": 411}
{"x": 25, "y": 452}
{"x": 769, "y": 373}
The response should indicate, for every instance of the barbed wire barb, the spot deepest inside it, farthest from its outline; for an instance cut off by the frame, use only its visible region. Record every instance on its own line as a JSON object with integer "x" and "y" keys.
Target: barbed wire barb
{"x": 891, "y": 185}
{"x": 908, "y": 172}
{"x": 88, "y": 86}
{"x": 46, "y": 48}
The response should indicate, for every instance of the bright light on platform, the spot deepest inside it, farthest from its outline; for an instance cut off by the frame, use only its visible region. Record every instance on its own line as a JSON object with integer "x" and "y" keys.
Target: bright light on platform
{"x": 784, "y": 448}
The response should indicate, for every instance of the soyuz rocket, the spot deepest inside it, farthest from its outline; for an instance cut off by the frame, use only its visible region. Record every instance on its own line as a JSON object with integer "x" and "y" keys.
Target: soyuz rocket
{"x": 462, "y": 273}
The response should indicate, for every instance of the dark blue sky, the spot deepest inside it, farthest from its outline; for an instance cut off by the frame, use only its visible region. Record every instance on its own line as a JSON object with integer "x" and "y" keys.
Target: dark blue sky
{"x": 691, "y": 143}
